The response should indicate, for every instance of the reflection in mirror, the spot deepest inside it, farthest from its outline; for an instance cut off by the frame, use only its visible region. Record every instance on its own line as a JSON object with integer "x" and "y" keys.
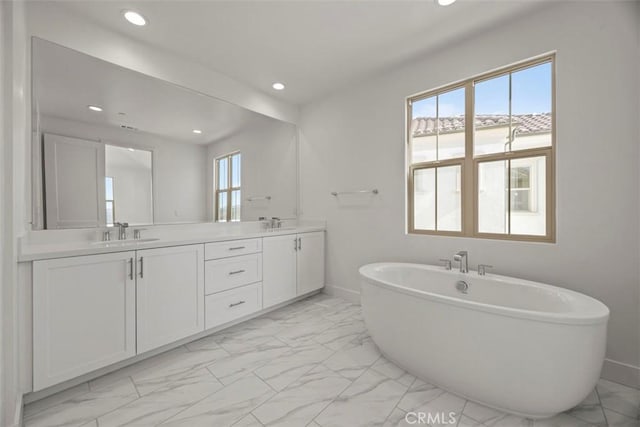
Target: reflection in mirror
{"x": 114, "y": 145}
{"x": 128, "y": 185}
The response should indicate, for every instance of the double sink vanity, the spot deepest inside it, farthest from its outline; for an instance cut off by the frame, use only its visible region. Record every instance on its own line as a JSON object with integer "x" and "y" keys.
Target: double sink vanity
{"x": 95, "y": 305}
{"x": 194, "y": 176}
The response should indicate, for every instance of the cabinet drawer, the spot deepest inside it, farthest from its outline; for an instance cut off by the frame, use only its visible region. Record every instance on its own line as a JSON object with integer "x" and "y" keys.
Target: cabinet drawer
{"x": 232, "y": 248}
{"x": 229, "y": 305}
{"x": 229, "y": 273}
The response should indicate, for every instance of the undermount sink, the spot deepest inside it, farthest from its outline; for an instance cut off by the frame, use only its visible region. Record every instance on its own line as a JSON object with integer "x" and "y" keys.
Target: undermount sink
{"x": 275, "y": 230}
{"x": 116, "y": 243}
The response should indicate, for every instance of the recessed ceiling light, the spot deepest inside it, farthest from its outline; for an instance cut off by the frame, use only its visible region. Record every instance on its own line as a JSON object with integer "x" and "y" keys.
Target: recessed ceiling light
{"x": 135, "y": 18}
{"x": 198, "y": 131}
{"x": 94, "y": 108}
{"x": 131, "y": 149}
{"x": 446, "y": 2}
{"x": 277, "y": 86}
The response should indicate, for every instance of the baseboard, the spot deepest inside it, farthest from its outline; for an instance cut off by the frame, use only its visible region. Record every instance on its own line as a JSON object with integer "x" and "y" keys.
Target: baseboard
{"x": 17, "y": 416}
{"x": 622, "y": 373}
{"x": 348, "y": 294}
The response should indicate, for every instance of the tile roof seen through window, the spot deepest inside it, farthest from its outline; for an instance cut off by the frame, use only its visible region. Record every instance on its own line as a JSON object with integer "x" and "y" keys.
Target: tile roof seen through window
{"x": 524, "y": 124}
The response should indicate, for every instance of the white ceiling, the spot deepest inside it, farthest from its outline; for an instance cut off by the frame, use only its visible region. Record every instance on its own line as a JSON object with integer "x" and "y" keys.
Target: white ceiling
{"x": 313, "y": 46}
{"x": 65, "y": 82}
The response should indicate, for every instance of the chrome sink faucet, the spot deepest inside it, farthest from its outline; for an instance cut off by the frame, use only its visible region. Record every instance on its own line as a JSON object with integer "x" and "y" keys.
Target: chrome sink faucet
{"x": 122, "y": 230}
{"x": 462, "y": 258}
{"x": 276, "y": 222}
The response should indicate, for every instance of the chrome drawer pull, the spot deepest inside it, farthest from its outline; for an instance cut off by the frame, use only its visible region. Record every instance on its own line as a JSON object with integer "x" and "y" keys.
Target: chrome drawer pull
{"x": 236, "y": 303}
{"x": 236, "y": 248}
{"x": 235, "y": 272}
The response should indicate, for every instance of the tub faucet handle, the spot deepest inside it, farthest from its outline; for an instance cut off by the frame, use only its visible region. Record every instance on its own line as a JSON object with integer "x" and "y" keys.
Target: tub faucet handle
{"x": 482, "y": 269}
{"x": 447, "y": 263}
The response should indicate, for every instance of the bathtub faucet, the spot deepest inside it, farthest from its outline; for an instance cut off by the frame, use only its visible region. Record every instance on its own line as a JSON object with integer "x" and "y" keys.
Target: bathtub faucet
{"x": 461, "y": 257}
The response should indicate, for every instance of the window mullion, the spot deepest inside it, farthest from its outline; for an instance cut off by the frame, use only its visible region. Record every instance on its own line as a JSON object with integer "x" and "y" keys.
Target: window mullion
{"x": 229, "y": 172}
{"x": 509, "y": 197}
{"x": 469, "y": 208}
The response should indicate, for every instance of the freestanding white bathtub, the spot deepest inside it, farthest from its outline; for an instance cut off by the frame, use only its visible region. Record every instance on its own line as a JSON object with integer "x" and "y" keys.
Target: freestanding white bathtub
{"x": 518, "y": 346}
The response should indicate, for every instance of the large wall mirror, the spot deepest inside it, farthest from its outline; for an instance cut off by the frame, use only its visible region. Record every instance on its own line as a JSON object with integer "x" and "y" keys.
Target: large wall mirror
{"x": 114, "y": 145}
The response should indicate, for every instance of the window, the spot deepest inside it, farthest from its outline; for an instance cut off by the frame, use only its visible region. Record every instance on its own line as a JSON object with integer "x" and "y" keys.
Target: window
{"x": 227, "y": 184}
{"x": 111, "y": 210}
{"x": 481, "y": 156}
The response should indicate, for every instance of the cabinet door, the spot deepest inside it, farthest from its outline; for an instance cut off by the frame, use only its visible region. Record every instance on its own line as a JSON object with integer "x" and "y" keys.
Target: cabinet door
{"x": 278, "y": 269}
{"x": 170, "y": 295}
{"x": 83, "y": 315}
{"x": 310, "y": 261}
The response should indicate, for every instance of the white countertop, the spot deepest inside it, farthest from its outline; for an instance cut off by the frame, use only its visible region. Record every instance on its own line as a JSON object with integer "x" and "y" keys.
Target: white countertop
{"x": 36, "y": 251}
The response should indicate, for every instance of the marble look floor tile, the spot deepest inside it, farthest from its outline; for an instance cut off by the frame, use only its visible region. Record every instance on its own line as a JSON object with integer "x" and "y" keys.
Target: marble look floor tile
{"x": 165, "y": 402}
{"x": 327, "y": 300}
{"x": 465, "y": 421}
{"x": 560, "y": 420}
{"x": 93, "y": 423}
{"x": 230, "y": 368}
{"x": 225, "y": 407}
{"x": 304, "y": 331}
{"x": 299, "y": 403}
{"x": 206, "y": 343}
{"x": 55, "y": 399}
{"x": 87, "y": 407}
{"x": 306, "y": 313}
{"x": 340, "y": 334}
{"x": 248, "y": 421}
{"x": 590, "y": 411}
{"x": 236, "y": 344}
{"x": 445, "y": 407}
{"x": 508, "y": 420}
{"x": 397, "y": 419}
{"x": 393, "y": 371}
{"x": 258, "y": 326}
{"x": 426, "y": 398}
{"x": 619, "y": 398}
{"x": 355, "y": 358}
{"x": 283, "y": 370}
{"x": 481, "y": 413}
{"x": 615, "y": 419}
{"x": 342, "y": 312}
{"x": 156, "y": 362}
{"x": 149, "y": 380}
{"x": 419, "y": 394}
{"x": 367, "y": 402}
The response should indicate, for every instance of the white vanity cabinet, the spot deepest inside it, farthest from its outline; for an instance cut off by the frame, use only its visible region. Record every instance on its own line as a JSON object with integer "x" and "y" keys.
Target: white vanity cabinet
{"x": 310, "y": 262}
{"x": 233, "y": 275}
{"x": 278, "y": 269}
{"x": 293, "y": 265}
{"x": 91, "y": 311}
{"x": 170, "y": 294}
{"x": 84, "y": 314}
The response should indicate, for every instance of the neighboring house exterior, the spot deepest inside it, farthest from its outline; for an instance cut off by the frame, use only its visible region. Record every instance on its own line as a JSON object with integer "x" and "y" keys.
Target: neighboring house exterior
{"x": 493, "y": 134}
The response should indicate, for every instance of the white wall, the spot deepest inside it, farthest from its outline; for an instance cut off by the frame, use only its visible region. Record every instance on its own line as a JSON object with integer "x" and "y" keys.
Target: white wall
{"x": 354, "y": 139}
{"x": 14, "y": 105}
{"x": 269, "y": 167}
{"x": 179, "y": 169}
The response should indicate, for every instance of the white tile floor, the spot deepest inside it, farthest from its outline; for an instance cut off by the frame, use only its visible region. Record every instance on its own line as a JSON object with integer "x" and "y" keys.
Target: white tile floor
{"x": 307, "y": 364}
